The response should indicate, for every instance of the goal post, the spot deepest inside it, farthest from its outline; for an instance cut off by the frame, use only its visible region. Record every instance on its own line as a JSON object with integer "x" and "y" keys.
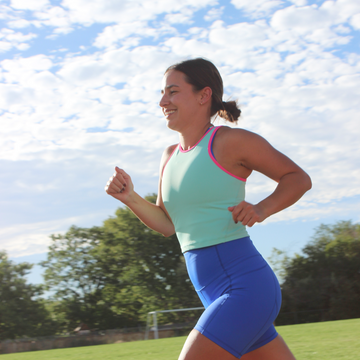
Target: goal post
{"x": 152, "y": 317}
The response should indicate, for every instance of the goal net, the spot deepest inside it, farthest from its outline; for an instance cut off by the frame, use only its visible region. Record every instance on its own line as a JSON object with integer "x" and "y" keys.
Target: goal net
{"x": 152, "y": 321}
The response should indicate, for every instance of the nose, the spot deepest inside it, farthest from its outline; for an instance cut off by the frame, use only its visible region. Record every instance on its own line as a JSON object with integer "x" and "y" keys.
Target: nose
{"x": 164, "y": 100}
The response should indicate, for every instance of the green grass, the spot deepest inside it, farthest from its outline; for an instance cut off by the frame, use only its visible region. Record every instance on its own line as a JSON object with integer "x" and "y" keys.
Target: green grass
{"x": 320, "y": 341}
{"x": 326, "y": 340}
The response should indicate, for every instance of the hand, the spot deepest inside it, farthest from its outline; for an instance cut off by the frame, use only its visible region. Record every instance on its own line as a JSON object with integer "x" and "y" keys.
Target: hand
{"x": 247, "y": 213}
{"x": 119, "y": 185}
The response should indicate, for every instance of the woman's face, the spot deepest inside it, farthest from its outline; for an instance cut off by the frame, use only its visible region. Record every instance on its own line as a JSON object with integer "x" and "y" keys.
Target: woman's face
{"x": 179, "y": 103}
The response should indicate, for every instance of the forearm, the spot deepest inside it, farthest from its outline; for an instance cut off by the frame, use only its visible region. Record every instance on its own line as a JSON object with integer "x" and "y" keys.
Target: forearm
{"x": 152, "y": 215}
{"x": 289, "y": 190}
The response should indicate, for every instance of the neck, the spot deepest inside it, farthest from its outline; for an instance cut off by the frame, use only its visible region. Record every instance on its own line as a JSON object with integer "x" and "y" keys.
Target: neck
{"x": 189, "y": 137}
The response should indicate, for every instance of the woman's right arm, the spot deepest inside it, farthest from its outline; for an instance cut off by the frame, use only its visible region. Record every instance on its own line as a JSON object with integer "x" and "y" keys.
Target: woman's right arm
{"x": 154, "y": 216}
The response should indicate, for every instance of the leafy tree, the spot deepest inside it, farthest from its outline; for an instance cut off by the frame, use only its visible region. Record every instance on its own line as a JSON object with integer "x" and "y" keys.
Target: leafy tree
{"x": 76, "y": 279}
{"x": 111, "y": 276}
{"x": 324, "y": 282}
{"x": 22, "y": 312}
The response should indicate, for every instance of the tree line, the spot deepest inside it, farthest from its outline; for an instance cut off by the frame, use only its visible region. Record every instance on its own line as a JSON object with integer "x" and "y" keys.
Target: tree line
{"x": 324, "y": 282}
{"x": 112, "y": 275}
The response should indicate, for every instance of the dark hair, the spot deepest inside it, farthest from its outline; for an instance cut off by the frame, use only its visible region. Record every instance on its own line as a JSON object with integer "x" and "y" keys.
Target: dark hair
{"x": 201, "y": 73}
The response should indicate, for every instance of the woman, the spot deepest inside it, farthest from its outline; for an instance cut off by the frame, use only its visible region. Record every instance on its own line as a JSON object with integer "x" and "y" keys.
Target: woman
{"x": 201, "y": 198}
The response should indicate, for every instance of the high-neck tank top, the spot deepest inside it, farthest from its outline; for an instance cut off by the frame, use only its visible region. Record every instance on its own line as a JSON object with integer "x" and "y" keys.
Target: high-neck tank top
{"x": 197, "y": 191}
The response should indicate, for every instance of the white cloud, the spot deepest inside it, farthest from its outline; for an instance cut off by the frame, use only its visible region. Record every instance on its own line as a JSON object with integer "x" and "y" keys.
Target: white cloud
{"x": 311, "y": 211}
{"x": 48, "y": 112}
{"x": 10, "y": 39}
{"x": 114, "y": 34}
{"x": 214, "y": 14}
{"x": 257, "y": 8}
{"x": 19, "y": 23}
{"x": 182, "y": 17}
{"x": 128, "y": 11}
{"x": 33, "y": 238}
{"x": 307, "y": 19}
{"x": 5, "y": 46}
{"x": 29, "y": 4}
{"x": 355, "y": 21}
{"x": 303, "y": 20}
{"x": 299, "y": 2}
{"x": 56, "y": 17}
{"x": 7, "y": 13}
{"x": 73, "y": 12}
{"x": 342, "y": 29}
{"x": 19, "y": 66}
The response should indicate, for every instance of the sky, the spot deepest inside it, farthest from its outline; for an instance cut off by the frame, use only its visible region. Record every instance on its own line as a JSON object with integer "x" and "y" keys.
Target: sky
{"x": 80, "y": 84}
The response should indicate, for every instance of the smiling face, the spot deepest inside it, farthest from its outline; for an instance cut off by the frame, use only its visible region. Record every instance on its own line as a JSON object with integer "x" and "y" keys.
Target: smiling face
{"x": 179, "y": 103}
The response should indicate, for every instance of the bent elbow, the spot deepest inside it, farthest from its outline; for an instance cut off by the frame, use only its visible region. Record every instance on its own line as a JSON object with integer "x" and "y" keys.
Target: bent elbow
{"x": 168, "y": 233}
{"x": 307, "y": 182}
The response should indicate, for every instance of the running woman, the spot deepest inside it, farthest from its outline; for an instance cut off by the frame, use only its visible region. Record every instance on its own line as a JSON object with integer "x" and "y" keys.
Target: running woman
{"x": 201, "y": 197}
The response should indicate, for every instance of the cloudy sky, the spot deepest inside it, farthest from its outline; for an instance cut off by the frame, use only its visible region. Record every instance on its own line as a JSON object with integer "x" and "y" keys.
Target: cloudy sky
{"x": 80, "y": 84}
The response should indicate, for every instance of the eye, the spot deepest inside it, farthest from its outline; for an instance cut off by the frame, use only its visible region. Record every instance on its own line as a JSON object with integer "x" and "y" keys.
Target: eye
{"x": 172, "y": 92}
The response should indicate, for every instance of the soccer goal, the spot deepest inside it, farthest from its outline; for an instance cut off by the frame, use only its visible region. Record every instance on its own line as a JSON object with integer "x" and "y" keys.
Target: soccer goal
{"x": 152, "y": 317}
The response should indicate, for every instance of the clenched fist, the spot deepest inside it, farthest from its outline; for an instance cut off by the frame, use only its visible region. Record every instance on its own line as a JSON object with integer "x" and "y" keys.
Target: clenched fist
{"x": 119, "y": 185}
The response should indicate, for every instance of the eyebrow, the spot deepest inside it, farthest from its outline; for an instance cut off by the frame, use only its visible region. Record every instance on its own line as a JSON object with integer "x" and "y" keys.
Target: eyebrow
{"x": 169, "y": 87}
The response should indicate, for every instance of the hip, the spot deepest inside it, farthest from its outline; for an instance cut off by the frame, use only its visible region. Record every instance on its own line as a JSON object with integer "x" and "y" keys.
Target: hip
{"x": 227, "y": 267}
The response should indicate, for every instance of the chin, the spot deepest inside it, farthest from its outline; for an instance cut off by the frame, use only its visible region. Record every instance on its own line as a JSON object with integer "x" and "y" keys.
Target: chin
{"x": 171, "y": 124}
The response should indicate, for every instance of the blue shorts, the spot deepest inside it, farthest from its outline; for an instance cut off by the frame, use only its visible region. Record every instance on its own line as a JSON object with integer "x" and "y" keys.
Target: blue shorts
{"x": 240, "y": 293}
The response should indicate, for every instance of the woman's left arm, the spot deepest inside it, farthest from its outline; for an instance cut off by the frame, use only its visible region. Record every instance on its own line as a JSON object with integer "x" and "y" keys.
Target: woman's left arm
{"x": 255, "y": 153}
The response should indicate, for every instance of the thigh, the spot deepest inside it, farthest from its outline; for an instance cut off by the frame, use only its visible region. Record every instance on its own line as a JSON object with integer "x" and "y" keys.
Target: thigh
{"x": 199, "y": 347}
{"x": 241, "y": 320}
{"x": 274, "y": 350}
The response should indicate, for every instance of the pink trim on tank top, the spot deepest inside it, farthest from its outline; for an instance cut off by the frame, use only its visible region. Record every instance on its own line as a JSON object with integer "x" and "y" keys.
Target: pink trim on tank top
{"x": 185, "y": 151}
{"x": 213, "y": 158}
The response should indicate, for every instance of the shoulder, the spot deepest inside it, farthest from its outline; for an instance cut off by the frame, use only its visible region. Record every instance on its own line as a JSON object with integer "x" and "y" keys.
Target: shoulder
{"x": 169, "y": 150}
{"x": 167, "y": 153}
{"x": 232, "y": 138}
{"x": 239, "y": 147}
{"x": 166, "y": 156}
{"x": 229, "y": 133}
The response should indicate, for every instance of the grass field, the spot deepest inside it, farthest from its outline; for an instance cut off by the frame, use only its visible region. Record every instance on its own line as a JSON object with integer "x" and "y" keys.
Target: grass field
{"x": 320, "y": 341}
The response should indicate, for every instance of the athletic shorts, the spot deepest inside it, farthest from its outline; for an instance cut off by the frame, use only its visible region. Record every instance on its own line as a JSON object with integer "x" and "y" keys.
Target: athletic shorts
{"x": 240, "y": 293}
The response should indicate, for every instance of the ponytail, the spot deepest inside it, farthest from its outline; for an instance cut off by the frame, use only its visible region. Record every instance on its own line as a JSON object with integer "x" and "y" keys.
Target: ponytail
{"x": 229, "y": 111}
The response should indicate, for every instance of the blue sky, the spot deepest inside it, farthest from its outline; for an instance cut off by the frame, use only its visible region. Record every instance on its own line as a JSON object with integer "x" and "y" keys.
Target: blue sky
{"x": 79, "y": 89}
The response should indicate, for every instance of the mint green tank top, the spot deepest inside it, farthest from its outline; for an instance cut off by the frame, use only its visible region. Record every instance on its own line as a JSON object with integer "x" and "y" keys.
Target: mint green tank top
{"x": 197, "y": 191}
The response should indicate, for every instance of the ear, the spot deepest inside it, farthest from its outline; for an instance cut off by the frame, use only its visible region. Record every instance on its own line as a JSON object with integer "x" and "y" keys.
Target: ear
{"x": 205, "y": 95}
